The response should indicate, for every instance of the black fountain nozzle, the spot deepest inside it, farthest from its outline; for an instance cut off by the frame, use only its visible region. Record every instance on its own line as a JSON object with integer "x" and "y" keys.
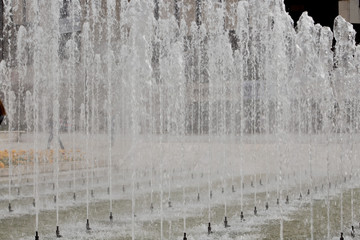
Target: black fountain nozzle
{"x": 9, "y": 207}
{"x": 277, "y": 201}
{"x": 53, "y": 186}
{"x": 151, "y": 207}
{"x": 233, "y": 188}
{"x": 33, "y": 203}
{"x": 111, "y": 217}
{"x": 198, "y": 197}
{"x": 226, "y": 223}
{"x": 108, "y": 190}
{"x": 341, "y": 236}
{"x": 300, "y": 196}
{"x": 287, "y": 199}
{"x": 54, "y": 198}
{"x": 260, "y": 182}
{"x": 209, "y": 229}
{"x": 242, "y": 216}
{"x": 266, "y": 205}
{"x": 36, "y": 235}
{"x": 352, "y": 231}
{"x": 255, "y": 211}
{"x": 308, "y": 192}
{"x": 58, "y": 235}
{"x": 252, "y": 183}
{"x": 210, "y": 194}
{"x": 92, "y": 193}
{"x": 185, "y": 238}
{"x": 87, "y": 225}
{"x": 74, "y": 196}
{"x": 222, "y": 190}
{"x": 169, "y": 203}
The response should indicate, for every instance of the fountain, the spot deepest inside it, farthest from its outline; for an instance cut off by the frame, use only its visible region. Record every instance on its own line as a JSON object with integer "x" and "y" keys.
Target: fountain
{"x": 170, "y": 119}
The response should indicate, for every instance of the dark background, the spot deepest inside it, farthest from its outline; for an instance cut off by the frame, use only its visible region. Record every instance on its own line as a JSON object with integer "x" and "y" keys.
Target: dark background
{"x": 322, "y": 11}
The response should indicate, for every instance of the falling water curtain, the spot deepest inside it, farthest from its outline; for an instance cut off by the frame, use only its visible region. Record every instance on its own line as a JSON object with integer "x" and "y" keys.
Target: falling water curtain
{"x": 2, "y": 112}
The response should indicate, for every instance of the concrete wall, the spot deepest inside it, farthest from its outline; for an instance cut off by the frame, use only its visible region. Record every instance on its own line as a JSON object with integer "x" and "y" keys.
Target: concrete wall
{"x": 354, "y": 11}
{"x": 350, "y": 10}
{"x": 344, "y": 10}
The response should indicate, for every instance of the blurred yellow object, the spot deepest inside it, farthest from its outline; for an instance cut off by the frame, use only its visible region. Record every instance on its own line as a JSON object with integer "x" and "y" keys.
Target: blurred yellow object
{"x": 21, "y": 157}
